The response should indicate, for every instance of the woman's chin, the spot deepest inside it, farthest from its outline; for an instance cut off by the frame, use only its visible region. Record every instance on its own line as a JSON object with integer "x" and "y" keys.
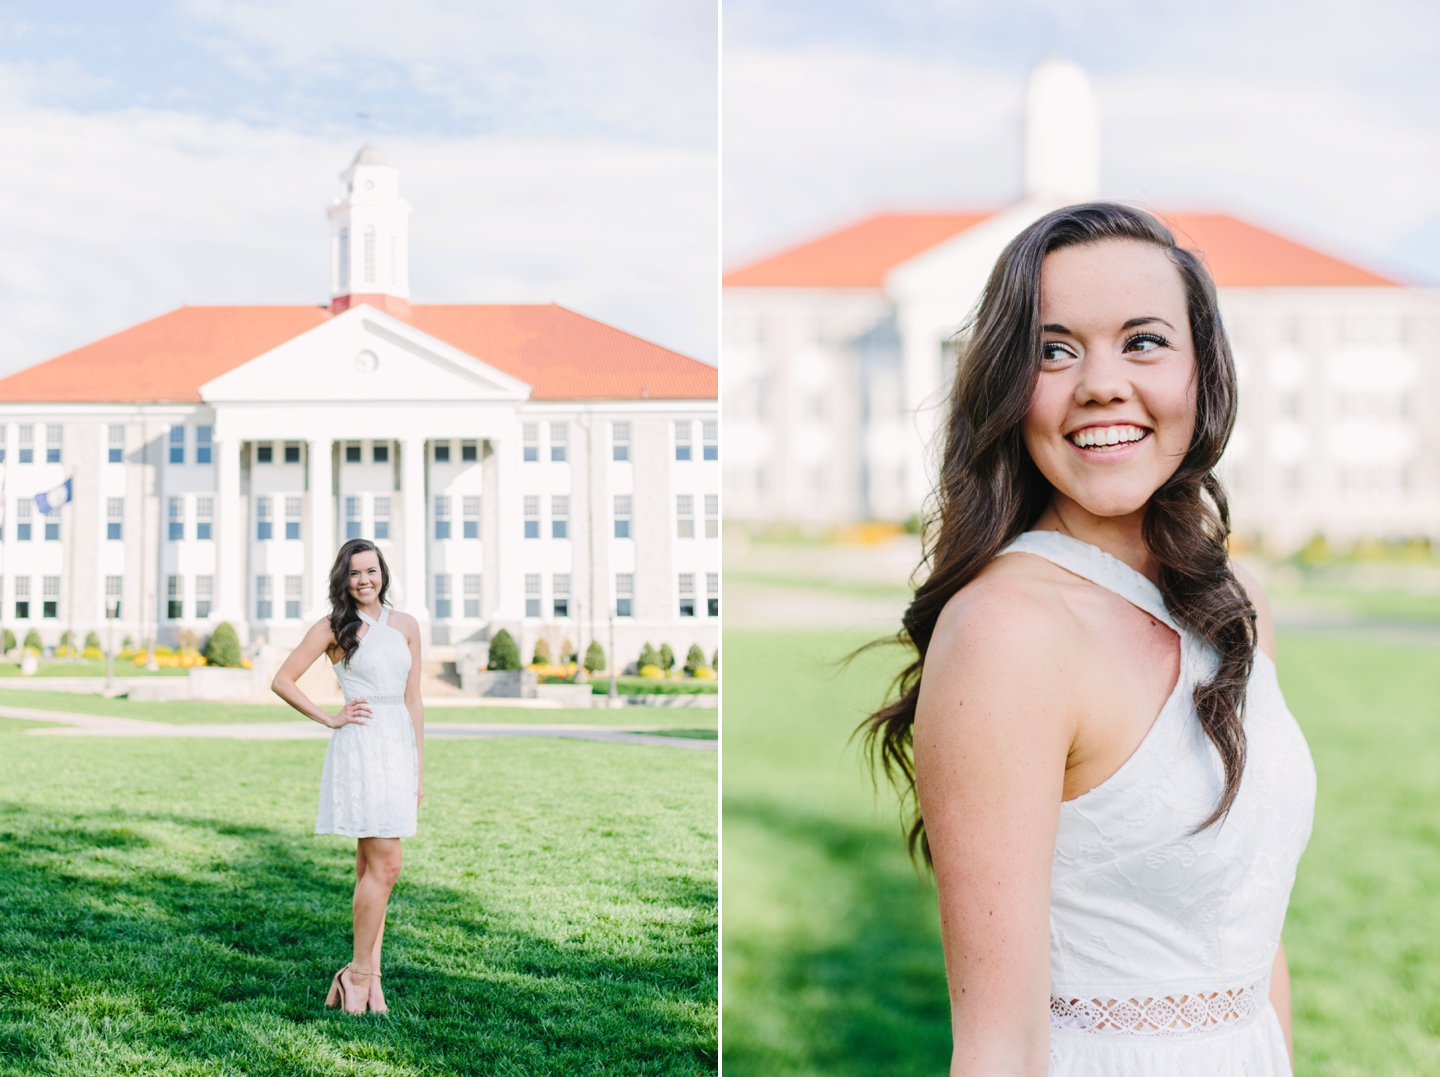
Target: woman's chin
{"x": 1110, "y": 504}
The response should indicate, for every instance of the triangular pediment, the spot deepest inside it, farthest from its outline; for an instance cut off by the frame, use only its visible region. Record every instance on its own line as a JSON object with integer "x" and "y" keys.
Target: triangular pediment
{"x": 365, "y": 356}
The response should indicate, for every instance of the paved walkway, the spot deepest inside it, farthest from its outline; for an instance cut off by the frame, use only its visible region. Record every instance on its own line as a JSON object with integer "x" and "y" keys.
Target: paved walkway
{"x": 96, "y": 725}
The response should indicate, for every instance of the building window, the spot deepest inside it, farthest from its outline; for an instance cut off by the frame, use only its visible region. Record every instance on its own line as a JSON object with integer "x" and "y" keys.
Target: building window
{"x": 532, "y": 517}
{"x": 54, "y": 442}
{"x": 380, "y": 452}
{"x": 469, "y": 452}
{"x": 264, "y": 452}
{"x": 559, "y": 440}
{"x": 264, "y": 525}
{"x": 470, "y": 511}
{"x": 622, "y": 515}
{"x": 113, "y": 587}
{"x": 684, "y": 516}
{"x": 682, "y": 440}
{"x": 560, "y": 594}
{"x": 294, "y": 588}
{"x": 442, "y": 597}
{"x": 116, "y": 438}
{"x": 352, "y": 452}
{"x": 24, "y": 513}
{"x": 369, "y": 254}
{"x": 114, "y": 518}
{"x": 52, "y": 526}
{"x": 177, "y": 519}
{"x": 50, "y": 596}
{"x": 529, "y": 438}
{"x": 204, "y": 517}
{"x": 175, "y": 597}
{"x": 442, "y": 517}
{"x": 710, "y": 439}
{"x": 532, "y": 594}
{"x": 624, "y": 594}
{"x": 382, "y": 517}
{"x": 560, "y": 516}
{"x": 442, "y": 452}
{"x": 712, "y": 515}
{"x": 27, "y": 443}
{"x": 22, "y": 598}
{"x": 294, "y": 509}
{"x": 472, "y": 594}
{"x": 292, "y": 452}
{"x": 687, "y": 594}
{"x": 620, "y": 441}
{"x": 204, "y": 595}
{"x": 712, "y": 594}
{"x": 177, "y": 444}
{"x": 264, "y": 597}
{"x": 204, "y": 444}
{"x": 352, "y": 518}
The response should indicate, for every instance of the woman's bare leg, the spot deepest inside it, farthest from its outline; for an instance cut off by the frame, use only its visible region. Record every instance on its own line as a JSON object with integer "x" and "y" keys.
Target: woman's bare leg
{"x": 377, "y": 867}
{"x": 377, "y": 992}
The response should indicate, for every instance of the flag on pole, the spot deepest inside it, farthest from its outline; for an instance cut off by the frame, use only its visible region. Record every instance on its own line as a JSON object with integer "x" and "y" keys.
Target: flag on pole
{"x": 51, "y": 501}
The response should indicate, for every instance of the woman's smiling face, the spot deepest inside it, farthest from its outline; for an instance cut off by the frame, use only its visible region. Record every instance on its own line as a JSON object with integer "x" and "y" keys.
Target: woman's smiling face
{"x": 365, "y": 576}
{"x": 1113, "y": 412}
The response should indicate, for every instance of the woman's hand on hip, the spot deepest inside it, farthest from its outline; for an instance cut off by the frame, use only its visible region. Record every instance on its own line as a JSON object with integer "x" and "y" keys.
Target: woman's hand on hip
{"x": 355, "y": 712}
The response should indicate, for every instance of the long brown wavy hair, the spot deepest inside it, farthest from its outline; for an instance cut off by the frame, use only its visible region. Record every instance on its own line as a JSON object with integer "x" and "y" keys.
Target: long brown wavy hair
{"x": 990, "y": 491}
{"x": 344, "y": 618}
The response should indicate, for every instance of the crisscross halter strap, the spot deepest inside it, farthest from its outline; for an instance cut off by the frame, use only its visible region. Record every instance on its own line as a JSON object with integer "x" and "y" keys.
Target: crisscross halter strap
{"x": 1100, "y": 568}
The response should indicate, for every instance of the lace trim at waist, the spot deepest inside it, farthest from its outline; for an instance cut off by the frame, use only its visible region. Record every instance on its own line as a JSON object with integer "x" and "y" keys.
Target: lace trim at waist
{"x": 1175, "y": 1014}
{"x": 379, "y": 701}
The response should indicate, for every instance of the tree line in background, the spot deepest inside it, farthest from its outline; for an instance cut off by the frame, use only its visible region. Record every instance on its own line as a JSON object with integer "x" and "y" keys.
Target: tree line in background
{"x": 505, "y": 655}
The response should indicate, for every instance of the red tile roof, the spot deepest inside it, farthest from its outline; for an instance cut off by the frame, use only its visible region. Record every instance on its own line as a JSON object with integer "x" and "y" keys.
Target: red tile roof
{"x": 563, "y": 355}
{"x": 855, "y": 257}
{"x": 1239, "y": 254}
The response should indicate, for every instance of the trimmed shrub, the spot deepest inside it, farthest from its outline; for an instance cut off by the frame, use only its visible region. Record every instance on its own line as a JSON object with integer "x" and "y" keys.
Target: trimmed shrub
{"x": 92, "y": 642}
{"x": 66, "y": 639}
{"x": 8, "y": 641}
{"x": 568, "y": 653}
{"x": 594, "y": 657}
{"x": 703, "y": 673}
{"x": 667, "y": 657}
{"x": 694, "y": 659}
{"x": 504, "y": 653}
{"x": 223, "y": 646}
{"x": 542, "y": 653}
{"x": 653, "y": 672}
{"x": 715, "y": 660}
{"x": 648, "y": 657}
{"x": 32, "y": 641}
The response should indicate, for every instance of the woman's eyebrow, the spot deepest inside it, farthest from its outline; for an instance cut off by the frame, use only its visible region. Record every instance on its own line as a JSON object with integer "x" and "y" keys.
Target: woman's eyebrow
{"x": 1133, "y": 322}
{"x": 1056, "y": 329}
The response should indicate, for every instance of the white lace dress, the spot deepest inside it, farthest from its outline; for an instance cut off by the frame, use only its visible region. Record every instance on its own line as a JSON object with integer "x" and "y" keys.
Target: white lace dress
{"x": 371, "y": 775}
{"x": 1162, "y": 940}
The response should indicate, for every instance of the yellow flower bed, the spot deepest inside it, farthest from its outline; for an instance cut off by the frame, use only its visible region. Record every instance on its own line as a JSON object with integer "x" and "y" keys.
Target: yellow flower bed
{"x": 168, "y": 659}
{"x": 653, "y": 672}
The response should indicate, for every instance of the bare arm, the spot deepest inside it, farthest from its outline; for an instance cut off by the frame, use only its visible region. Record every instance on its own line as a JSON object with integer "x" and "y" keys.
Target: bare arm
{"x": 1264, "y": 622}
{"x": 317, "y": 641}
{"x": 413, "y": 701}
{"x": 1280, "y": 998}
{"x": 992, "y": 735}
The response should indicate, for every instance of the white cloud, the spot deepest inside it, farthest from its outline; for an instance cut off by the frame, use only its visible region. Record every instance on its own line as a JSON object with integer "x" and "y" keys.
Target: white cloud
{"x": 111, "y": 218}
{"x": 816, "y": 135}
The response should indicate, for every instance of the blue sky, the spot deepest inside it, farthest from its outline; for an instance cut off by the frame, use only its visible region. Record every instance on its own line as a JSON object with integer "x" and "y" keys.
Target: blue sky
{"x": 1320, "y": 119}
{"x": 185, "y": 151}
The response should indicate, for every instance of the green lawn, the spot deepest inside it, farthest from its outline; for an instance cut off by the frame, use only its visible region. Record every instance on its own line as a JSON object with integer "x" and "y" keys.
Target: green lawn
{"x": 832, "y": 957}
{"x": 166, "y": 911}
{"x": 192, "y": 713}
{"x": 90, "y": 667}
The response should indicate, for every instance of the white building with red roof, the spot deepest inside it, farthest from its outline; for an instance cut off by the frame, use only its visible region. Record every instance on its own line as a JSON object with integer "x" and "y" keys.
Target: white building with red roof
{"x": 520, "y": 466}
{"x": 838, "y": 354}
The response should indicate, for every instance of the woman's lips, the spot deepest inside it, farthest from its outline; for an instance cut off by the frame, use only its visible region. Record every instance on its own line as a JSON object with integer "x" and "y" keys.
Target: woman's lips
{"x": 1107, "y": 439}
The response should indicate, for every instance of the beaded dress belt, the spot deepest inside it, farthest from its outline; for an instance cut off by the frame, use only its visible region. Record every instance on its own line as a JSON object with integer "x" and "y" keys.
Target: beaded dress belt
{"x": 1172, "y": 1015}
{"x": 382, "y": 701}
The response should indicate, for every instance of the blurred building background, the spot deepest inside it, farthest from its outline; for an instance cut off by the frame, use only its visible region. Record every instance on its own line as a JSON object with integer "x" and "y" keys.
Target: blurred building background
{"x": 837, "y": 354}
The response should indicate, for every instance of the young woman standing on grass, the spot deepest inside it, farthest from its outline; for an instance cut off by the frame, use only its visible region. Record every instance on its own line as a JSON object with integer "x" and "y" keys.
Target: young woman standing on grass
{"x": 1112, "y": 884}
{"x": 374, "y": 769}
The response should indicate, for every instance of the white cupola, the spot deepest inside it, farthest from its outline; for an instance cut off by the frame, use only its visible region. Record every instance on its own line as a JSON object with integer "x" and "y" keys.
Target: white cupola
{"x": 1062, "y": 135}
{"x": 370, "y": 237}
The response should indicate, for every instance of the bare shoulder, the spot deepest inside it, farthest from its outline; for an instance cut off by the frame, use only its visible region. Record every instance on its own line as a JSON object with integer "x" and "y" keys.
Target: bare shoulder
{"x": 405, "y": 624}
{"x": 1014, "y": 603}
{"x": 321, "y": 630}
{"x": 1264, "y": 622}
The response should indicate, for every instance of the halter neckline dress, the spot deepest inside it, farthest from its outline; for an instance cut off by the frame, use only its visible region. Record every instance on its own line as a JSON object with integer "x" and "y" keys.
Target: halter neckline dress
{"x": 1162, "y": 940}
{"x": 371, "y": 774}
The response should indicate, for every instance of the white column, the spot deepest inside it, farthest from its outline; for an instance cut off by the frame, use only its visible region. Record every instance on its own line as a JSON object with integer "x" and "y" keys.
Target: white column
{"x": 230, "y": 602}
{"x": 416, "y": 596}
{"x": 321, "y": 540}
